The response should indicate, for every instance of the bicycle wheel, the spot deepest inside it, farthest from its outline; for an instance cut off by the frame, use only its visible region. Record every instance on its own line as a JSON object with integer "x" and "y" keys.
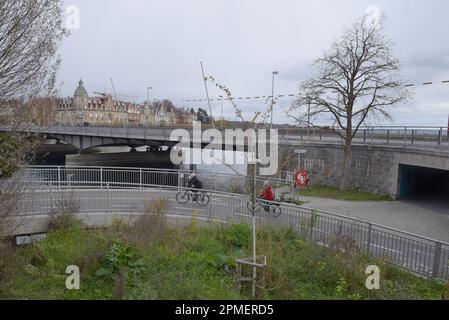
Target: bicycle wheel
{"x": 275, "y": 210}
{"x": 182, "y": 197}
{"x": 203, "y": 199}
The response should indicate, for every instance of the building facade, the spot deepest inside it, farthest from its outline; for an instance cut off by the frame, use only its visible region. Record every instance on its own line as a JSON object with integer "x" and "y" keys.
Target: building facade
{"x": 103, "y": 110}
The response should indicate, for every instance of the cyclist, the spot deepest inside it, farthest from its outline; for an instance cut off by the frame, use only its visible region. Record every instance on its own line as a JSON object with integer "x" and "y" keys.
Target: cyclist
{"x": 267, "y": 195}
{"x": 195, "y": 183}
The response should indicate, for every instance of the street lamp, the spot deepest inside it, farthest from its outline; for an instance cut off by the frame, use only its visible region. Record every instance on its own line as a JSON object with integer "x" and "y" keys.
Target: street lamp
{"x": 148, "y": 94}
{"x": 222, "y": 98}
{"x": 272, "y": 97}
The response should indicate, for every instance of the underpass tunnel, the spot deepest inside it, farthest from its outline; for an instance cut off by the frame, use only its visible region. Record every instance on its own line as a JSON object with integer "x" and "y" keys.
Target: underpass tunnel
{"x": 421, "y": 183}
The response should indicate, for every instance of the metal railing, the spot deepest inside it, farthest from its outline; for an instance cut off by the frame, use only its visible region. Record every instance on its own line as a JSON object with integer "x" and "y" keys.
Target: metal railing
{"x": 86, "y": 176}
{"x": 424, "y": 256}
{"x": 435, "y": 137}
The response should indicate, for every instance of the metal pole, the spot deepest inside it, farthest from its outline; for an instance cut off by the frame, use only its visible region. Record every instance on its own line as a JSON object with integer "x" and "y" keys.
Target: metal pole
{"x": 368, "y": 243}
{"x": 59, "y": 176}
{"x": 253, "y": 291}
{"x": 107, "y": 197}
{"x": 222, "y": 100}
{"x": 436, "y": 259}
{"x": 51, "y": 196}
{"x": 272, "y": 97}
{"x": 308, "y": 113}
{"x": 207, "y": 95}
{"x": 140, "y": 179}
{"x": 148, "y": 96}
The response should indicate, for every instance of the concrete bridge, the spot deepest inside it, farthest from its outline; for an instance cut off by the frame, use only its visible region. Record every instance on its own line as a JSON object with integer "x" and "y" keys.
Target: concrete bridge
{"x": 433, "y": 138}
{"x": 90, "y": 137}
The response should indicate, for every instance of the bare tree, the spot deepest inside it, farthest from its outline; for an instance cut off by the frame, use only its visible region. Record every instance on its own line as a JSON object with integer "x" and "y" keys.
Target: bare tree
{"x": 30, "y": 31}
{"x": 358, "y": 80}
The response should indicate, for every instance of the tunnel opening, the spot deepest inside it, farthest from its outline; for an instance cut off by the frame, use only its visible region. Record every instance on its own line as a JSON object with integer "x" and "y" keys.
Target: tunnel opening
{"x": 424, "y": 184}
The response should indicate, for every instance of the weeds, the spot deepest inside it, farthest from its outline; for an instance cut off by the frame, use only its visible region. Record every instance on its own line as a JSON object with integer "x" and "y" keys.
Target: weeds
{"x": 199, "y": 263}
{"x": 146, "y": 228}
{"x": 64, "y": 212}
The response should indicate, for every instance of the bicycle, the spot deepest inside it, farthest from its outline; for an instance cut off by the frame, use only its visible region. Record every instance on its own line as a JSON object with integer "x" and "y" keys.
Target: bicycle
{"x": 200, "y": 197}
{"x": 269, "y": 207}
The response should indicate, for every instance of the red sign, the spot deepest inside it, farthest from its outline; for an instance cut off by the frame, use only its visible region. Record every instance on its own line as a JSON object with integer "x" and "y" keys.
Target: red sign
{"x": 301, "y": 179}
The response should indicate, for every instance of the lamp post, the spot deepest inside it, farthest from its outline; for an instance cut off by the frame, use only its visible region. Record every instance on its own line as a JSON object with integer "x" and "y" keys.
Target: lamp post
{"x": 222, "y": 100}
{"x": 272, "y": 97}
{"x": 148, "y": 94}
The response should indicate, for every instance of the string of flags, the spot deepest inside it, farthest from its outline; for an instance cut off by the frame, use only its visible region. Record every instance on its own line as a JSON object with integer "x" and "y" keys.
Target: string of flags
{"x": 292, "y": 95}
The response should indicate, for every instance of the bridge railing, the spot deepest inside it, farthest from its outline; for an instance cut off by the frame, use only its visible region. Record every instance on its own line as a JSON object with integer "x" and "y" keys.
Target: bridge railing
{"x": 424, "y": 256}
{"x": 405, "y": 136}
{"x": 98, "y": 177}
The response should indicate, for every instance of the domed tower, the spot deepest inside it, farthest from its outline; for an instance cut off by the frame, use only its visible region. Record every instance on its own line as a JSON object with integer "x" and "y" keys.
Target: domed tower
{"x": 80, "y": 97}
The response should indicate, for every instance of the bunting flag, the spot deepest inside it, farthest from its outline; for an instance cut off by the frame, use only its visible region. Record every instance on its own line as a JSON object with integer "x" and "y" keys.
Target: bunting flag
{"x": 292, "y": 95}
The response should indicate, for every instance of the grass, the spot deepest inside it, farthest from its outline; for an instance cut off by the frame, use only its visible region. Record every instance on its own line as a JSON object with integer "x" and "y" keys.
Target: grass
{"x": 350, "y": 195}
{"x": 195, "y": 262}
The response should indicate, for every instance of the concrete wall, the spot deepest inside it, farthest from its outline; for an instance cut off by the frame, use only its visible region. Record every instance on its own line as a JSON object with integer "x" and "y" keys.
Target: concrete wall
{"x": 373, "y": 168}
{"x": 39, "y": 223}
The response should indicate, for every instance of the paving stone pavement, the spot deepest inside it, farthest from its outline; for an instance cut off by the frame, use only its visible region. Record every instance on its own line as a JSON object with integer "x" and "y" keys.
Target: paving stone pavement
{"x": 419, "y": 216}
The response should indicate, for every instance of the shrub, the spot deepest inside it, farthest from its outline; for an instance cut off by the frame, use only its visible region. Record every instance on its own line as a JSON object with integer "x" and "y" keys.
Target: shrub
{"x": 148, "y": 226}
{"x": 63, "y": 221}
{"x": 63, "y": 213}
{"x": 238, "y": 235}
{"x": 121, "y": 265}
{"x": 67, "y": 203}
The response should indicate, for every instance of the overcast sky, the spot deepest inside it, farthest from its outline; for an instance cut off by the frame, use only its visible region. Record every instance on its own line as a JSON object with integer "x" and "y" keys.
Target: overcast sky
{"x": 140, "y": 43}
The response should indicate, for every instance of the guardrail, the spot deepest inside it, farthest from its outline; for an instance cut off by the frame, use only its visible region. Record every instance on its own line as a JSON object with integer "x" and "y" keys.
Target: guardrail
{"x": 436, "y": 137}
{"x": 424, "y": 256}
{"x": 78, "y": 176}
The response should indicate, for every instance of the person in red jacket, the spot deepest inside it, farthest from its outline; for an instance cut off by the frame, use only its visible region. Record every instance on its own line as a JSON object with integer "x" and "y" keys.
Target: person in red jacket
{"x": 267, "y": 193}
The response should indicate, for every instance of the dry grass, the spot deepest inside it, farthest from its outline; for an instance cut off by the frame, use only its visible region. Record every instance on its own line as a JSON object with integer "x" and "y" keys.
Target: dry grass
{"x": 146, "y": 227}
{"x": 63, "y": 214}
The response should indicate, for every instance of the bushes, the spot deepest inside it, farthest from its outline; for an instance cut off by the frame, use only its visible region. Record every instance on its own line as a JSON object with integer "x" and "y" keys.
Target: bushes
{"x": 121, "y": 265}
{"x": 63, "y": 214}
{"x": 9, "y": 156}
{"x": 146, "y": 228}
{"x": 238, "y": 235}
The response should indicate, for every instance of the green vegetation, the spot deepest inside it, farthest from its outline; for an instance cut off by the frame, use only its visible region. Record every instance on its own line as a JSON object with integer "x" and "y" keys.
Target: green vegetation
{"x": 148, "y": 260}
{"x": 349, "y": 195}
{"x": 8, "y": 157}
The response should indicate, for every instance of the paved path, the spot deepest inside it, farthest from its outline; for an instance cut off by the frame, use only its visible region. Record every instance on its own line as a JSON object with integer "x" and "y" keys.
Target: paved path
{"x": 417, "y": 217}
